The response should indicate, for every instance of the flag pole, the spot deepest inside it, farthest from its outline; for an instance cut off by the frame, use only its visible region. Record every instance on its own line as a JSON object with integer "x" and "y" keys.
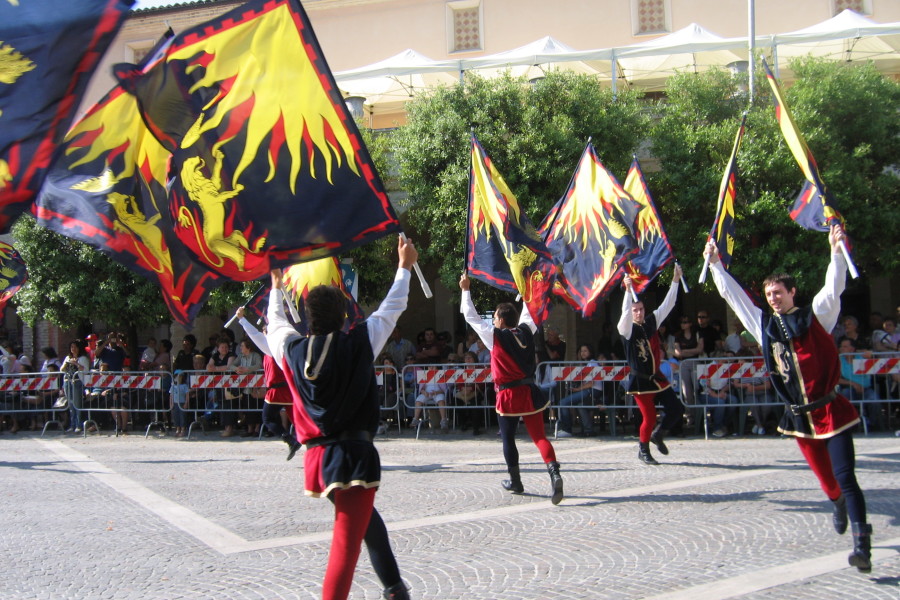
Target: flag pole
{"x": 426, "y": 289}
{"x": 249, "y": 300}
{"x": 853, "y": 272}
{"x": 468, "y": 205}
{"x": 293, "y": 308}
{"x": 684, "y": 284}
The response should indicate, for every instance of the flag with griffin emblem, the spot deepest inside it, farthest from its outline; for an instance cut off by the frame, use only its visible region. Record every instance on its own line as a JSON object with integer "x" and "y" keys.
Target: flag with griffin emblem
{"x": 48, "y": 52}
{"x": 299, "y": 279}
{"x": 502, "y": 247}
{"x": 654, "y": 250}
{"x": 108, "y": 189}
{"x": 723, "y": 227}
{"x": 268, "y": 168}
{"x": 13, "y": 274}
{"x": 589, "y": 232}
{"x": 814, "y": 208}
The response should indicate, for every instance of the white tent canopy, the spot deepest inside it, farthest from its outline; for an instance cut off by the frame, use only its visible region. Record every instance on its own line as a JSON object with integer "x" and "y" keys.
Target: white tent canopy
{"x": 646, "y": 65}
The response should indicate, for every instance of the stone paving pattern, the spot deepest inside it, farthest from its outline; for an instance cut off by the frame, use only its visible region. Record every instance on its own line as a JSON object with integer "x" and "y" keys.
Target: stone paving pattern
{"x": 713, "y": 510}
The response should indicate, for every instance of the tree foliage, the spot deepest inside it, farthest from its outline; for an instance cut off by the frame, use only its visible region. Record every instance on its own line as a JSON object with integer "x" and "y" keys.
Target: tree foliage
{"x": 534, "y": 133}
{"x": 849, "y": 118}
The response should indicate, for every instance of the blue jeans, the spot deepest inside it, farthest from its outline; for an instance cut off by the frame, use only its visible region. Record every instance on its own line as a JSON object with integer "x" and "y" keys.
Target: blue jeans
{"x": 582, "y": 400}
{"x": 720, "y": 412}
{"x": 73, "y": 388}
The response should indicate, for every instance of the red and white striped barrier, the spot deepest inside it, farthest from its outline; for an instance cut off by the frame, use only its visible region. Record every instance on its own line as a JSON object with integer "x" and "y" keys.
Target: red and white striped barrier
{"x": 732, "y": 370}
{"x": 588, "y": 373}
{"x": 876, "y": 366}
{"x": 137, "y": 381}
{"x": 454, "y": 375}
{"x": 227, "y": 380}
{"x": 29, "y": 383}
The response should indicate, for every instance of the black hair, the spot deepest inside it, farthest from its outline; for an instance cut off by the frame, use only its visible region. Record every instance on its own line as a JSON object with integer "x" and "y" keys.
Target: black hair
{"x": 326, "y": 309}
{"x": 508, "y": 314}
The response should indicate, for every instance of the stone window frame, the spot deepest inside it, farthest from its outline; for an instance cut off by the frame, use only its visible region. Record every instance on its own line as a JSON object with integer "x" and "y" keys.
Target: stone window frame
{"x": 636, "y": 22}
{"x": 866, "y": 8}
{"x": 456, "y": 5}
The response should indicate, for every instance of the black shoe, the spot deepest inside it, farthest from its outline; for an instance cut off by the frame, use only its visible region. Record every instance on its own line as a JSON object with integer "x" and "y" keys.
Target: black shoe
{"x": 657, "y": 438}
{"x": 292, "y": 450}
{"x": 839, "y": 514}
{"x": 644, "y": 454}
{"x": 397, "y": 591}
{"x": 514, "y": 483}
{"x": 556, "y": 482}
{"x": 861, "y": 557}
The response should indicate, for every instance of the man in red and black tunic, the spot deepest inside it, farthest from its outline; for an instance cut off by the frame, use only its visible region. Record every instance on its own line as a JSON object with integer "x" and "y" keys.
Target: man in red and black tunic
{"x": 804, "y": 368}
{"x": 644, "y": 353}
{"x": 331, "y": 375}
{"x": 511, "y": 342}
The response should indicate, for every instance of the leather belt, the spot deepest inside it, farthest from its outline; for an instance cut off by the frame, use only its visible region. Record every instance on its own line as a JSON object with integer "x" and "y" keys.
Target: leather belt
{"x": 802, "y": 409}
{"x": 515, "y": 383}
{"x": 344, "y": 436}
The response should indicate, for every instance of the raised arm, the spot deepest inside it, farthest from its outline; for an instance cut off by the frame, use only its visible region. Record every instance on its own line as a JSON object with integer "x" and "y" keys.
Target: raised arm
{"x": 748, "y": 313}
{"x": 255, "y": 335}
{"x": 662, "y": 311}
{"x": 827, "y": 303}
{"x": 381, "y": 323}
{"x": 470, "y": 314}
{"x": 626, "y": 320}
{"x": 279, "y": 330}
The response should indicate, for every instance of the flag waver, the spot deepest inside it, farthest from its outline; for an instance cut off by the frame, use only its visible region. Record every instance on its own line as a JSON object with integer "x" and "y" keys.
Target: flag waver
{"x": 723, "y": 227}
{"x": 299, "y": 279}
{"x": 814, "y": 208}
{"x": 268, "y": 167}
{"x": 589, "y": 233}
{"x": 48, "y": 52}
{"x": 654, "y": 249}
{"x": 502, "y": 247}
{"x": 13, "y": 274}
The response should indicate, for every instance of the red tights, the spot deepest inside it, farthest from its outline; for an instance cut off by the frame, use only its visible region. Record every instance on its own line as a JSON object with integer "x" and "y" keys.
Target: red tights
{"x": 352, "y": 511}
{"x": 647, "y": 404}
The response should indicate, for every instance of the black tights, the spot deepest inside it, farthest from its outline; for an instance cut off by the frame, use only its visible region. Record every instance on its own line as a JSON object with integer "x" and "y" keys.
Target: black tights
{"x": 833, "y": 460}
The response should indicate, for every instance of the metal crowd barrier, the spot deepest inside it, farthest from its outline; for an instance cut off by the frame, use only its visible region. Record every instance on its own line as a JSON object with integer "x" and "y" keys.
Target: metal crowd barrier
{"x": 226, "y": 393}
{"x": 36, "y": 394}
{"x": 390, "y": 391}
{"x": 560, "y": 377}
{"x": 452, "y": 375}
{"x": 135, "y": 392}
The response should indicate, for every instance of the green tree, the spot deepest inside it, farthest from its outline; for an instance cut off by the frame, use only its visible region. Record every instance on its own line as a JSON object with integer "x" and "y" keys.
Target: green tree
{"x": 534, "y": 133}
{"x": 848, "y": 116}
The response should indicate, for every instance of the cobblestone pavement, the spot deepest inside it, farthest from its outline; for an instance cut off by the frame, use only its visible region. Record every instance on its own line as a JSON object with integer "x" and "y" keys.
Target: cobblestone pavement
{"x": 160, "y": 518}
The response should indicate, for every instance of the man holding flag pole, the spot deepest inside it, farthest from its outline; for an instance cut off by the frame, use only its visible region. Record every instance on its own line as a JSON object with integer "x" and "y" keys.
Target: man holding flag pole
{"x": 803, "y": 365}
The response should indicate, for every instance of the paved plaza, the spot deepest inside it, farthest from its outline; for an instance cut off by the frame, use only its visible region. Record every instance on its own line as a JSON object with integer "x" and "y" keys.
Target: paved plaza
{"x": 161, "y": 518}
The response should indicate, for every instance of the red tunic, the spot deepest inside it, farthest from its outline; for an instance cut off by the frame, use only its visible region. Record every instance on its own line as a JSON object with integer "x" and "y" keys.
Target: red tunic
{"x": 277, "y": 390}
{"x": 512, "y": 359}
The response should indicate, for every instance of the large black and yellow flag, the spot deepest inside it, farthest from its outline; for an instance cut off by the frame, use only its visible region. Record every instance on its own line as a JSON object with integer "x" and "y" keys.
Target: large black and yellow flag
{"x": 723, "y": 227}
{"x": 814, "y": 208}
{"x": 502, "y": 247}
{"x": 108, "y": 189}
{"x": 589, "y": 232}
{"x": 48, "y": 52}
{"x": 654, "y": 249}
{"x": 268, "y": 168}
{"x": 13, "y": 274}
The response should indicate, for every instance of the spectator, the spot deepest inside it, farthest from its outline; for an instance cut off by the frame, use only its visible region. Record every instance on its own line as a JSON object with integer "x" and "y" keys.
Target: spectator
{"x": 74, "y": 366}
{"x": 555, "y": 346}
{"x": 431, "y": 350}
{"x": 51, "y": 360}
{"x": 163, "y": 359}
{"x": 734, "y": 341}
{"x": 583, "y": 396}
{"x": 110, "y": 352}
{"x": 148, "y": 355}
{"x": 886, "y": 338}
{"x": 250, "y": 361}
{"x": 468, "y": 395}
{"x": 181, "y": 401}
{"x": 687, "y": 346}
{"x": 222, "y": 361}
{"x": 470, "y": 344}
{"x": 432, "y": 394}
{"x": 399, "y": 347}
{"x": 756, "y": 393}
{"x": 858, "y": 387}
{"x": 708, "y": 333}
{"x": 666, "y": 340}
{"x": 184, "y": 361}
{"x": 211, "y": 349}
{"x": 716, "y": 392}
{"x": 851, "y": 331}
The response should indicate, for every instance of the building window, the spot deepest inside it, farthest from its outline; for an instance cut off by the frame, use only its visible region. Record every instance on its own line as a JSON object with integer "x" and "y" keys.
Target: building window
{"x": 138, "y": 53}
{"x": 862, "y": 7}
{"x": 464, "y": 26}
{"x": 650, "y": 16}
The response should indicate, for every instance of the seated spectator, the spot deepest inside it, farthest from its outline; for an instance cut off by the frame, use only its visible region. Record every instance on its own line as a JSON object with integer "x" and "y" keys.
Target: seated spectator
{"x": 886, "y": 338}
{"x": 583, "y": 396}
{"x": 757, "y": 391}
{"x": 148, "y": 355}
{"x": 250, "y": 361}
{"x": 432, "y": 394}
{"x": 716, "y": 392}
{"x": 858, "y": 387}
{"x": 222, "y": 361}
{"x": 431, "y": 350}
